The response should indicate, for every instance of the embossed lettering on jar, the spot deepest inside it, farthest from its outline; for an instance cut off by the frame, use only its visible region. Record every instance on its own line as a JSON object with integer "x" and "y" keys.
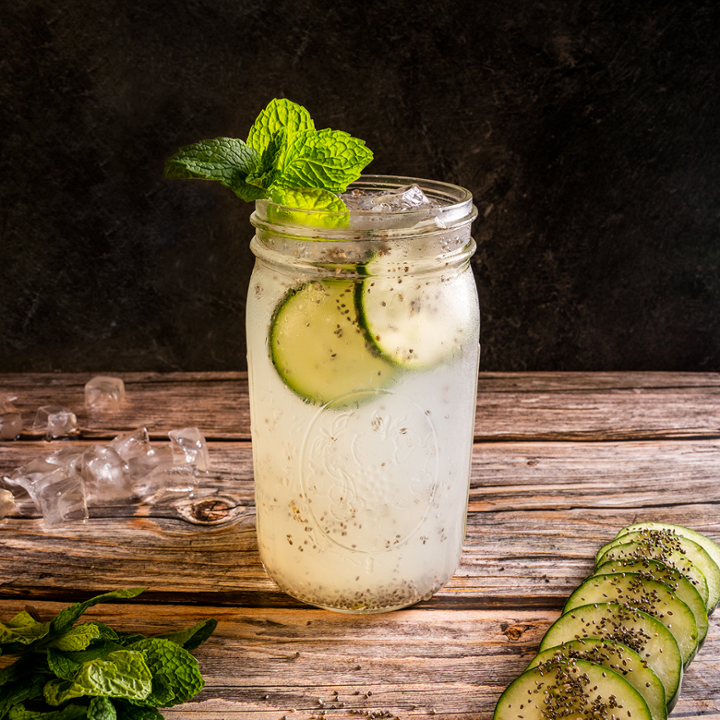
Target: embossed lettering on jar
{"x": 363, "y": 356}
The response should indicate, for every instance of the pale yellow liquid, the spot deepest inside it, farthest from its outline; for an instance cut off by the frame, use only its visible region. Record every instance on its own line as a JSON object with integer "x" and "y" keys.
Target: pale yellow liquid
{"x": 361, "y": 503}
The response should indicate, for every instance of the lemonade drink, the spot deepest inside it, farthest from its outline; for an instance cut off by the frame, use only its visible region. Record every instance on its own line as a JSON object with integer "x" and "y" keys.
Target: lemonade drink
{"x": 363, "y": 356}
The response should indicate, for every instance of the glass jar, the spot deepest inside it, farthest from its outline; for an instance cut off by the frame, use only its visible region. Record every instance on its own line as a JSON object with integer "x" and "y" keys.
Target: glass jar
{"x": 362, "y": 334}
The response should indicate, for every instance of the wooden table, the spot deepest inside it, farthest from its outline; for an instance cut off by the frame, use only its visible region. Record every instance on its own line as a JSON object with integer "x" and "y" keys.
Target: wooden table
{"x": 561, "y": 462}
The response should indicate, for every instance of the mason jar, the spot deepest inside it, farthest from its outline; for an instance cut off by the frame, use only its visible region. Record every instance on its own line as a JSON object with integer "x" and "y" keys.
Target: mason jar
{"x": 362, "y": 334}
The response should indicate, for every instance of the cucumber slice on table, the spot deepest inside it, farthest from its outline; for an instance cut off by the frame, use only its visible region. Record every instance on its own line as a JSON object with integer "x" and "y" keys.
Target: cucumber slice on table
{"x": 416, "y": 321}
{"x": 674, "y": 579}
{"x": 712, "y": 548}
{"x": 654, "y": 598}
{"x": 670, "y": 548}
{"x": 571, "y": 688}
{"x": 617, "y": 657}
{"x": 634, "y": 628}
{"x": 318, "y": 347}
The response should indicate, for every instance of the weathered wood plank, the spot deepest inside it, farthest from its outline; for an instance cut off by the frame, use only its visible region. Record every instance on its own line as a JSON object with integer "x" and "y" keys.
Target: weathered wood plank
{"x": 511, "y": 406}
{"x": 307, "y": 664}
{"x": 537, "y": 514}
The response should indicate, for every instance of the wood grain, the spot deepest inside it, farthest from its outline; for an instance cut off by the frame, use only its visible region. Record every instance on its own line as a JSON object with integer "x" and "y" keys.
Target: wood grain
{"x": 517, "y": 406}
{"x": 560, "y": 463}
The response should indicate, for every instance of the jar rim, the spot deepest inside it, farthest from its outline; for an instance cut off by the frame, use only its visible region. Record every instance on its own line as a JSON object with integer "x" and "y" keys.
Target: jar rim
{"x": 454, "y": 207}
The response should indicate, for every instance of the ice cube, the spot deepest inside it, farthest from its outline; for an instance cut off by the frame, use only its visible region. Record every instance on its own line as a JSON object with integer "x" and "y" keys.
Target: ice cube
{"x": 106, "y": 475}
{"x": 105, "y": 392}
{"x": 402, "y": 199}
{"x": 141, "y": 465}
{"x": 166, "y": 484}
{"x": 61, "y": 498}
{"x": 54, "y": 421}
{"x": 189, "y": 446}
{"x": 7, "y": 503}
{"x": 10, "y": 425}
{"x": 67, "y": 457}
{"x": 6, "y": 404}
{"x": 133, "y": 444}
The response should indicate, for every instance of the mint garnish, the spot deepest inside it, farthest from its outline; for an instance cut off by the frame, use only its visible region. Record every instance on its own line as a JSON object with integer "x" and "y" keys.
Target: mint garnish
{"x": 285, "y": 160}
{"x": 89, "y": 671}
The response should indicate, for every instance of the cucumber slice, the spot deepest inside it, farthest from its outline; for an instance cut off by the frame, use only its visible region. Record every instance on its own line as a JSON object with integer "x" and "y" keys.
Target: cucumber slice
{"x": 654, "y": 598}
{"x": 712, "y": 548}
{"x": 674, "y": 579}
{"x": 638, "y": 630}
{"x": 416, "y": 321}
{"x": 617, "y": 657}
{"x": 318, "y": 347}
{"x": 633, "y": 552}
{"x": 576, "y": 689}
{"x": 671, "y": 549}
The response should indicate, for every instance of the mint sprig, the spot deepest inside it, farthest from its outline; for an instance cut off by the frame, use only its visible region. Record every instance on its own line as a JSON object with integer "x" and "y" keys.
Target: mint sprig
{"x": 90, "y": 671}
{"x": 285, "y": 160}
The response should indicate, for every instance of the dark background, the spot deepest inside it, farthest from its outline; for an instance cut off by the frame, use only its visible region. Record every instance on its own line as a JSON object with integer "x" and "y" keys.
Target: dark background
{"x": 589, "y": 133}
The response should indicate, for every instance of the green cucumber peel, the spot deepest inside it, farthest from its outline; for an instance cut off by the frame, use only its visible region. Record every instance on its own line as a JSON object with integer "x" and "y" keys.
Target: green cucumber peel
{"x": 89, "y": 670}
{"x": 285, "y": 160}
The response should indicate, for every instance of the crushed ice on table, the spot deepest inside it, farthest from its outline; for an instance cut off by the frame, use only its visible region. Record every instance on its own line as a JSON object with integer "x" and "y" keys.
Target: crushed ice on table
{"x": 189, "y": 446}
{"x": 132, "y": 444}
{"x": 54, "y": 421}
{"x": 127, "y": 470}
{"x": 106, "y": 475}
{"x": 60, "y": 497}
{"x": 104, "y": 391}
{"x": 6, "y": 403}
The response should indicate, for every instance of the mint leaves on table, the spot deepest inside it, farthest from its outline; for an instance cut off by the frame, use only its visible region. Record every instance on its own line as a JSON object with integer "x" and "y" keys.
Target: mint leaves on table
{"x": 89, "y": 671}
{"x": 285, "y": 159}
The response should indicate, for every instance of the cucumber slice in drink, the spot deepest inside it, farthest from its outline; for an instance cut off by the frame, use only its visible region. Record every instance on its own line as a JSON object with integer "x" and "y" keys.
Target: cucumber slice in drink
{"x": 573, "y": 689}
{"x": 674, "y": 579}
{"x": 318, "y": 347}
{"x": 650, "y": 596}
{"x": 638, "y": 630}
{"x": 416, "y": 321}
{"x": 712, "y": 548}
{"x": 670, "y": 548}
{"x": 617, "y": 657}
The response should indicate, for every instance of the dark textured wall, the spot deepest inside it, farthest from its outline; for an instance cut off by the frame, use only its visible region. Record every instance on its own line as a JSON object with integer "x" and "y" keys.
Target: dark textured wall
{"x": 589, "y": 133}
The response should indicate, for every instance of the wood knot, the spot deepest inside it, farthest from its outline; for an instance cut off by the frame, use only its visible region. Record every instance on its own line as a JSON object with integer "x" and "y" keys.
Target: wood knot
{"x": 214, "y": 510}
{"x": 210, "y": 510}
{"x": 514, "y": 632}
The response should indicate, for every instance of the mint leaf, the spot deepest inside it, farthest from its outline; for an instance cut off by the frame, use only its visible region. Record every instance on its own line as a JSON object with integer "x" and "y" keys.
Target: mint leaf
{"x": 22, "y": 629}
{"x": 192, "y": 637}
{"x": 101, "y": 708}
{"x": 333, "y": 212}
{"x": 61, "y": 665}
{"x": 227, "y": 160}
{"x": 174, "y": 668}
{"x": 100, "y": 649}
{"x": 25, "y": 688}
{"x": 279, "y": 114}
{"x": 267, "y": 173}
{"x": 124, "y": 674}
{"x": 283, "y": 150}
{"x": 133, "y": 712}
{"x": 329, "y": 159}
{"x": 66, "y": 618}
{"x": 128, "y": 638}
{"x": 77, "y": 638}
{"x": 70, "y": 712}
